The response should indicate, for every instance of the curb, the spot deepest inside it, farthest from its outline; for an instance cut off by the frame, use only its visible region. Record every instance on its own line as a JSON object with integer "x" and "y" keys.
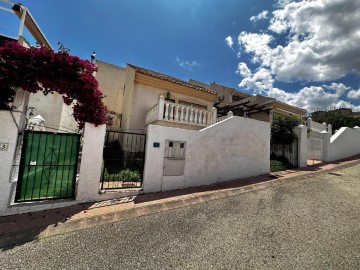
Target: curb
{"x": 27, "y": 235}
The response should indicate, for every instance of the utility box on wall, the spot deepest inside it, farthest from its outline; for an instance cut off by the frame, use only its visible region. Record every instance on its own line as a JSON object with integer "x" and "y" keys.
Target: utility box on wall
{"x": 174, "y": 160}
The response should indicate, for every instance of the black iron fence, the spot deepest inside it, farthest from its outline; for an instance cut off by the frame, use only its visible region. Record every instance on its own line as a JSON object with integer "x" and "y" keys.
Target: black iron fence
{"x": 288, "y": 152}
{"x": 48, "y": 166}
{"x": 123, "y": 160}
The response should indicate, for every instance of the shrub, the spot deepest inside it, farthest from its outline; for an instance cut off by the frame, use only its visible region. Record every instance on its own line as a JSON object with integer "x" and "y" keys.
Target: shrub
{"x": 282, "y": 129}
{"x": 123, "y": 176}
{"x": 41, "y": 69}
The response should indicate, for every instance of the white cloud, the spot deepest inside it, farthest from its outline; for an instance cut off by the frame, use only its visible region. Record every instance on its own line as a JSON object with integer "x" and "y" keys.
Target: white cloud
{"x": 186, "y": 64}
{"x": 260, "y": 16}
{"x": 339, "y": 88}
{"x": 354, "y": 94}
{"x": 282, "y": 3}
{"x": 243, "y": 70}
{"x": 323, "y": 38}
{"x": 229, "y": 41}
{"x": 309, "y": 98}
{"x": 257, "y": 45}
{"x": 260, "y": 81}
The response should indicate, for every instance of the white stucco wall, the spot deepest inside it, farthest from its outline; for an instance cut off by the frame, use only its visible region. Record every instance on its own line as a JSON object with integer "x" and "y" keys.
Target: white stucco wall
{"x": 67, "y": 121}
{"x": 301, "y": 133}
{"x": 344, "y": 143}
{"x": 232, "y": 149}
{"x": 111, "y": 80}
{"x": 129, "y": 78}
{"x": 49, "y": 107}
{"x": 8, "y": 135}
{"x": 88, "y": 185}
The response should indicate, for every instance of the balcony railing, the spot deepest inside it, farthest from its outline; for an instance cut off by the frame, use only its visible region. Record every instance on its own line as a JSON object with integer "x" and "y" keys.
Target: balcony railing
{"x": 177, "y": 113}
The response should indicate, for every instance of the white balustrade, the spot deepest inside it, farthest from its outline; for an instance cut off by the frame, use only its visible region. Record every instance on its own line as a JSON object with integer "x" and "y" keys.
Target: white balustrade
{"x": 222, "y": 118}
{"x": 178, "y": 113}
{"x": 152, "y": 115}
{"x": 187, "y": 115}
{"x": 182, "y": 114}
{"x": 171, "y": 118}
{"x": 192, "y": 114}
{"x": 167, "y": 105}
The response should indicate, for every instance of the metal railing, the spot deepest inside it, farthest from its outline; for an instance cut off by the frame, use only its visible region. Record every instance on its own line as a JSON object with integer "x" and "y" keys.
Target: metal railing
{"x": 123, "y": 160}
{"x": 48, "y": 166}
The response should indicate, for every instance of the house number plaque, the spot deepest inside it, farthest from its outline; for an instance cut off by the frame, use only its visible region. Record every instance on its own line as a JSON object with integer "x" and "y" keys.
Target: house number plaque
{"x": 4, "y": 146}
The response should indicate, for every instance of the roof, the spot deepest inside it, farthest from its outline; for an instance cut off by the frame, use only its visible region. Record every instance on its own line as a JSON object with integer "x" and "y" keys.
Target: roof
{"x": 168, "y": 78}
{"x": 286, "y": 104}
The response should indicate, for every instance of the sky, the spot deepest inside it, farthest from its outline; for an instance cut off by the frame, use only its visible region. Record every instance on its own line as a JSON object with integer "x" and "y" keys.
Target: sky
{"x": 305, "y": 52}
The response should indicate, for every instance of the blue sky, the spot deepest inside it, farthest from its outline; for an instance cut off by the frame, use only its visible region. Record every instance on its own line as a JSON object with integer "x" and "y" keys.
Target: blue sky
{"x": 301, "y": 52}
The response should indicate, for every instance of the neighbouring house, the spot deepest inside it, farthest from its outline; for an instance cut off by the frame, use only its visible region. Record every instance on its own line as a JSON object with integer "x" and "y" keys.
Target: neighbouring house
{"x": 138, "y": 97}
{"x": 242, "y": 104}
{"x": 348, "y": 112}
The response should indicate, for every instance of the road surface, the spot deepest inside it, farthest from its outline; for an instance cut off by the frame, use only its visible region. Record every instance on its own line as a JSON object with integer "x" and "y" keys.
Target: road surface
{"x": 308, "y": 224}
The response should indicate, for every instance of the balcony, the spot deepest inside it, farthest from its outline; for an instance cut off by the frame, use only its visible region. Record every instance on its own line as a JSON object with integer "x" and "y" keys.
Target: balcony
{"x": 184, "y": 116}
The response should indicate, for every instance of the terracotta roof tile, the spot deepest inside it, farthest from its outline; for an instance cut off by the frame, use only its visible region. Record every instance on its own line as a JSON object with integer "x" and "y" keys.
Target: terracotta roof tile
{"x": 169, "y": 78}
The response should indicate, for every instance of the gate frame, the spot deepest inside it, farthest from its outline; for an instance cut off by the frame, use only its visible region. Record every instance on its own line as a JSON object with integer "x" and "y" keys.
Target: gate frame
{"x": 21, "y": 168}
{"x": 102, "y": 180}
{"x": 320, "y": 138}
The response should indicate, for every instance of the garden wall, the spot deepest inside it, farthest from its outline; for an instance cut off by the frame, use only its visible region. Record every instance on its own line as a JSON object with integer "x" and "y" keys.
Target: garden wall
{"x": 232, "y": 149}
{"x": 344, "y": 143}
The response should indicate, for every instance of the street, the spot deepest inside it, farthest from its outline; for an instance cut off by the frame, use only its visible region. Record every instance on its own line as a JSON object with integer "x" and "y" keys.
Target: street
{"x": 308, "y": 224}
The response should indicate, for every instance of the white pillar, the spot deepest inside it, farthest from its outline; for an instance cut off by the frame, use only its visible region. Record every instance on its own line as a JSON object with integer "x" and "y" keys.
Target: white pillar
{"x": 191, "y": 120}
{"x": 301, "y": 133}
{"x": 309, "y": 123}
{"x": 91, "y": 163}
{"x": 329, "y": 129}
{"x": 182, "y": 114}
{"x": 214, "y": 115}
{"x": 177, "y": 115}
{"x": 229, "y": 114}
{"x": 324, "y": 126}
{"x": 172, "y": 108}
{"x": 10, "y": 137}
{"x": 327, "y": 147}
{"x": 167, "y": 105}
{"x": 187, "y": 115}
{"x": 160, "y": 115}
{"x": 208, "y": 118}
{"x": 196, "y": 117}
{"x": 204, "y": 113}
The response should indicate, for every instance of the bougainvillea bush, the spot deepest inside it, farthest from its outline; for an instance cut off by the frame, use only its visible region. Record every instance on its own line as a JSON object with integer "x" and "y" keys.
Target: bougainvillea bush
{"x": 41, "y": 69}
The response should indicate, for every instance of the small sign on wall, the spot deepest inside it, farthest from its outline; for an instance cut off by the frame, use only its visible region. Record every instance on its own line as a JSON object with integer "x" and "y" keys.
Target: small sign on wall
{"x": 4, "y": 146}
{"x": 156, "y": 144}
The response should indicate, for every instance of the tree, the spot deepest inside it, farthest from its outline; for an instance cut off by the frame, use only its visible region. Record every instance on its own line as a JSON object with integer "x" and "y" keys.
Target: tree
{"x": 282, "y": 129}
{"x": 337, "y": 118}
{"x": 41, "y": 69}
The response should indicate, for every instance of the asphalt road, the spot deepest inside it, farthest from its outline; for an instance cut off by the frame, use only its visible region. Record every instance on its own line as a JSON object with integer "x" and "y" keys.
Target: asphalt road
{"x": 309, "y": 224}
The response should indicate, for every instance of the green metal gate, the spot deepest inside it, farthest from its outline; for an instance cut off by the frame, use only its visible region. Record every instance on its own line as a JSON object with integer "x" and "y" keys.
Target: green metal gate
{"x": 48, "y": 166}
